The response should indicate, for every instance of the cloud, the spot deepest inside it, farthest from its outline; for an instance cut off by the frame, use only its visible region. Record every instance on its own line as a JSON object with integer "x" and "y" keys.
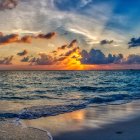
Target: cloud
{"x": 77, "y": 16}
{"x": 105, "y": 42}
{"x": 1, "y": 34}
{"x": 24, "y": 52}
{"x": 85, "y": 3}
{"x": 25, "y": 59}
{"x": 94, "y": 57}
{"x": 44, "y": 59}
{"x": 132, "y": 59}
{"x": 47, "y": 36}
{"x": 98, "y": 57}
{"x": 26, "y": 39}
{"x": 134, "y": 42}
{"x": 8, "y": 38}
{"x": 6, "y": 60}
{"x": 71, "y": 54}
{"x": 70, "y": 49}
{"x": 63, "y": 47}
{"x": 16, "y": 38}
{"x": 86, "y": 21}
{"x": 8, "y": 4}
{"x": 73, "y": 44}
{"x": 67, "y": 53}
{"x": 23, "y": 31}
{"x": 67, "y": 5}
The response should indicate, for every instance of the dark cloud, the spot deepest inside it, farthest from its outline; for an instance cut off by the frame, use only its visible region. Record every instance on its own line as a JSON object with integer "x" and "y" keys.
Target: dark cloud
{"x": 62, "y": 47}
{"x": 105, "y": 42}
{"x": 134, "y": 42}
{"x": 44, "y": 59}
{"x": 73, "y": 43}
{"x": 25, "y": 59}
{"x": 132, "y": 59}
{"x": 71, "y": 48}
{"x": 98, "y": 57}
{"x": 6, "y": 60}
{"x": 47, "y": 36}
{"x": 15, "y": 38}
{"x": 8, "y": 4}
{"x": 33, "y": 60}
{"x": 24, "y": 52}
{"x": 8, "y": 38}
{"x": 61, "y": 58}
{"x": 26, "y": 39}
{"x": 68, "y": 53}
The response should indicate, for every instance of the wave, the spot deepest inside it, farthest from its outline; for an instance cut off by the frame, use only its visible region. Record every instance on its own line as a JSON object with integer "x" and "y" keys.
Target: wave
{"x": 63, "y": 78}
{"x": 49, "y": 110}
{"x": 42, "y": 111}
{"x": 110, "y": 98}
{"x": 98, "y": 89}
{"x": 33, "y": 97}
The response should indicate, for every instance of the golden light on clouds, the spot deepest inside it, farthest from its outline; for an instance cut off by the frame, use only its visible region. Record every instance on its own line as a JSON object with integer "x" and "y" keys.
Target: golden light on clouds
{"x": 73, "y": 61}
{"x": 51, "y": 51}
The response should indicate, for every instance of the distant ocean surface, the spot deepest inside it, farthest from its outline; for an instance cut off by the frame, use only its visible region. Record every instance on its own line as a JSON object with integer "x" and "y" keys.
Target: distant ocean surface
{"x": 35, "y": 94}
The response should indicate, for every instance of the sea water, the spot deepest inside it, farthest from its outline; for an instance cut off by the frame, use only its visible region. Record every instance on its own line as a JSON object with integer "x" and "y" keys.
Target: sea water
{"x": 35, "y": 94}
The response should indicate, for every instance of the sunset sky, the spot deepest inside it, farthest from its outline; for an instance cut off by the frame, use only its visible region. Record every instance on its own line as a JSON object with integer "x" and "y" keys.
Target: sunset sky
{"x": 69, "y": 34}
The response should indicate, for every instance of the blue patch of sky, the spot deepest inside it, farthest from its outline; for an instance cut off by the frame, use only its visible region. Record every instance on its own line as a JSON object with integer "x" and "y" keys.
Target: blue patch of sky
{"x": 125, "y": 14}
{"x": 129, "y": 11}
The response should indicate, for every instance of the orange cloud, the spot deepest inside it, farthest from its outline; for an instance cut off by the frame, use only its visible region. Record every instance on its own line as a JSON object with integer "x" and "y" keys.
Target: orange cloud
{"x": 73, "y": 43}
{"x": 1, "y": 34}
{"x": 8, "y": 38}
{"x": 26, "y": 39}
{"x": 62, "y": 47}
{"x": 67, "y": 56}
{"x": 47, "y": 36}
{"x": 6, "y": 60}
{"x": 15, "y": 38}
{"x": 8, "y": 4}
{"x": 24, "y": 52}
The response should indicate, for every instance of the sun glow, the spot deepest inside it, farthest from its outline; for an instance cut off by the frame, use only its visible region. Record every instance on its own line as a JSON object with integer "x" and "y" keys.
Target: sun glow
{"x": 72, "y": 62}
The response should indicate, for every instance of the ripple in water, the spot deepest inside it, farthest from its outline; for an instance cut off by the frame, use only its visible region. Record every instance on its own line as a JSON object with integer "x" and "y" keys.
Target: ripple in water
{"x": 47, "y": 93}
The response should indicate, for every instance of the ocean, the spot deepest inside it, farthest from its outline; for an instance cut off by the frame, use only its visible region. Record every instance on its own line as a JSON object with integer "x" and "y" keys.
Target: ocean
{"x": 36, "y": 94}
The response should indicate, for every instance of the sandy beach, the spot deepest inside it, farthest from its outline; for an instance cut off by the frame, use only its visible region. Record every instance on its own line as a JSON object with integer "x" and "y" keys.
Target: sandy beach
{"x": 129, "y": 130}
{"x": 109, "y": 122}
{"x": 10, "y": 131}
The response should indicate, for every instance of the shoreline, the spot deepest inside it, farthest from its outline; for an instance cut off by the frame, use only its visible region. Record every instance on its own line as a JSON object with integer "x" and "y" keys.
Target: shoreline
{"x": 127, "y": 130}
{"x": 110, "y": 122}
{"x": 125, "y": 127}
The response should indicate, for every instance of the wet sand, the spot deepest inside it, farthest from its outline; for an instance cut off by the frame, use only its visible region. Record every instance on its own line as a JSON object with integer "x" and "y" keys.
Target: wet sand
{"x": 129, "y": 130}
{"x": 109, "y": 122}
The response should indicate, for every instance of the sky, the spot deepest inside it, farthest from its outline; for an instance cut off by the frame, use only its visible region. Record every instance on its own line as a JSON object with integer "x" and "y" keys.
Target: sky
{"x": 69, "y": 34}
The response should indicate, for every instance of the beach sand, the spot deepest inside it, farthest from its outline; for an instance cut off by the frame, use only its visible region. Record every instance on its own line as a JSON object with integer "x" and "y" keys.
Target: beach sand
{"x": 106, "y": 122}
{"x": 129, "y": 130}
{"x": 9, "y": 131}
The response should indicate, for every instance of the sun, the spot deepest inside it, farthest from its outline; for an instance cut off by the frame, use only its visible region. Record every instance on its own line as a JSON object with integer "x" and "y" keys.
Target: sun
{"x": 72, "y": 62}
